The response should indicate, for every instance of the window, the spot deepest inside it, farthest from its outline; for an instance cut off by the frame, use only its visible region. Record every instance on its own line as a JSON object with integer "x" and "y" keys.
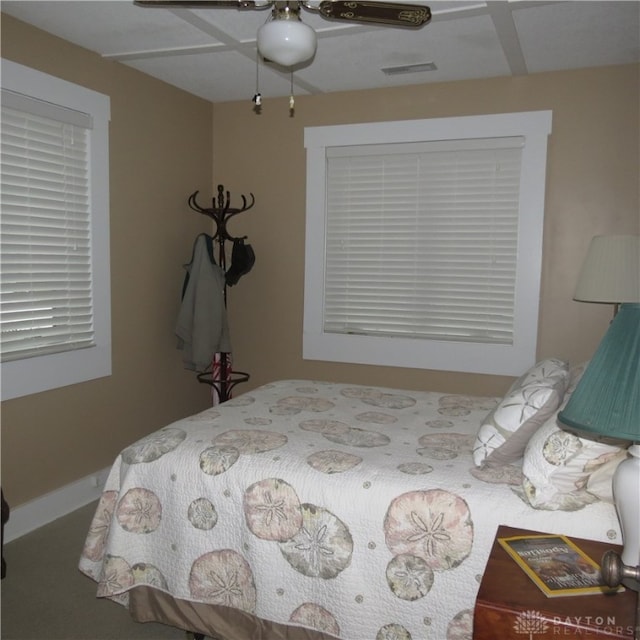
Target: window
{"x": 54, "y": 284}
{"x": 424, "y": 242}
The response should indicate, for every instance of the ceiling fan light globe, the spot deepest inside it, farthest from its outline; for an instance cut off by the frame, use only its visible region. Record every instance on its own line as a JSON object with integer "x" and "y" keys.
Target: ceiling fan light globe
{"x": 287, "y": 42}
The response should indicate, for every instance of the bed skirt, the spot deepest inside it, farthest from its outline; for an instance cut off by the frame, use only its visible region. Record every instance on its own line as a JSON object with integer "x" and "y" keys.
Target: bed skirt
{"x": 220, "y": 623}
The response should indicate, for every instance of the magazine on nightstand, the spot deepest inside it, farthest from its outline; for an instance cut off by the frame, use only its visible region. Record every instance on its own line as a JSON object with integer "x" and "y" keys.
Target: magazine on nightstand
{"x": 556, "y": 565}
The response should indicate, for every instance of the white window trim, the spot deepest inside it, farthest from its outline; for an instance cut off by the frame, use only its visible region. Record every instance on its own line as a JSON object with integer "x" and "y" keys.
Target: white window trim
{"x": 42, "y": 373}
{"x": 512, "y": 359}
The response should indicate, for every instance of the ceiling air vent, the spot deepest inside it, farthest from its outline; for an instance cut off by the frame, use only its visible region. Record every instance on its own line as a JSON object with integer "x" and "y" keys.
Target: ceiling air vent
{"x": 410, "y": 68}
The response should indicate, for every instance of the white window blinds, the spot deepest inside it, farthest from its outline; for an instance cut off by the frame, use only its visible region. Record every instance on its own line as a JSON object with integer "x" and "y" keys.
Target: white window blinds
{"x": 46, "y": 280}
{"x": 422, "y": 239}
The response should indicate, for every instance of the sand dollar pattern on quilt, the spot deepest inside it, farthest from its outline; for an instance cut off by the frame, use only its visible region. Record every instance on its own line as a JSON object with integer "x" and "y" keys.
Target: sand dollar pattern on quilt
{"x": 377, "y": 417}
{"x": 139, "y": 511}
{"x": 216, "y": 460}
{"x": 439, "y": 424}
{"x": 329, "y": 461}
{"x": 116, "y": 576}
{"x": 415, "y": 468}
{"x": 258, "y": 421}
{"x": 437, "y": 453}
{"x": 292, "y": 405}
{"x": 341, "y": 433}
{"x": 464, "y": 405}
{"x": 249, "y": 441}
{"x": 272, "y": 510}
{"x": 208, "y": 415}
{"x": 328, "y": 427}
{"x": 434, "y": 525}
{"x": 393, "y": 632}
{"x": 444, "y": 446}
{"x": 458, "y": 442}
{"x": 148, "y": 574}
{"x": 377, "y": 398}
{"x": 357, "y": 437}
{"x": 202, "y": 514}
{"x": 307, "y": 389}
{"x": 322, "y": 548}
{"x": 154, "y": 446}
{"x": 313, "y": 615}
{"x": 96, "y": 540}
{"x": 409, "y": 577}
{"x": 243, "y": 400}
{"x": 223, "y": 577}
{"x": 461, "y": 626}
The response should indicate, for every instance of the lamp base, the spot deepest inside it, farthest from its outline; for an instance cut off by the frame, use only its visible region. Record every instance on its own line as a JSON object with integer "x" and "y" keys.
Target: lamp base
{"x": 614, "y": 572}
{"x": 626, "y": 495}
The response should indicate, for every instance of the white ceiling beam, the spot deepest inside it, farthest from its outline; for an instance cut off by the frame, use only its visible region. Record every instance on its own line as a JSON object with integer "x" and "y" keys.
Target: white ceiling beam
{"x": 507, "y": 33}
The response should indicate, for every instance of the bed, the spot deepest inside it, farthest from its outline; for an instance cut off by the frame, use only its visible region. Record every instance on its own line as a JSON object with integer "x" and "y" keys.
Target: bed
{"x": 312, "y": 510}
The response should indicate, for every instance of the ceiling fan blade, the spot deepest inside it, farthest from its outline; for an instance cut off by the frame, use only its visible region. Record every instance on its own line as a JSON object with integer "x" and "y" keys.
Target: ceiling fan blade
{"x": 236, "y": 4}
{"x": 389, "y": 13}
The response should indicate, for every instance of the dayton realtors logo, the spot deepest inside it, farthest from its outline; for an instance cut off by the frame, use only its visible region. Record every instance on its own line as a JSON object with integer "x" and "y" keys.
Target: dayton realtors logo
{"x": 532, "y": 623}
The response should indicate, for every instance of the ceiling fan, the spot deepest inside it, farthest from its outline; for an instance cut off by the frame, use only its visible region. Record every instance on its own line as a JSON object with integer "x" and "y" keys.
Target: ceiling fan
{"x": 287, "y": 41}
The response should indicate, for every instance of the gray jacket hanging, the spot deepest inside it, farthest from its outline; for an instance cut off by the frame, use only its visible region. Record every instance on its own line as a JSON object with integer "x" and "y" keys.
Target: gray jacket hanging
{"x": 202, "y": 327}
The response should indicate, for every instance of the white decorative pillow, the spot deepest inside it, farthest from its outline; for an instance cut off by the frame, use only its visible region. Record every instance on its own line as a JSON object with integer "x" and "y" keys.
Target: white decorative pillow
{"x": 531, "y": 400}
{"x": 564, "y": 472}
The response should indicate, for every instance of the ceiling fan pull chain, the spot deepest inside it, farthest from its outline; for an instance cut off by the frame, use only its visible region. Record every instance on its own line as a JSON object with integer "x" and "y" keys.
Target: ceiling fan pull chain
{"x": 257, "y": 96}
{"x": 292, "y": 100}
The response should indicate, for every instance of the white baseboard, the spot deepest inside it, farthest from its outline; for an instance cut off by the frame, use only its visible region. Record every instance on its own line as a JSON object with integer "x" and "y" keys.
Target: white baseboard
{"x": 51, "y": 506}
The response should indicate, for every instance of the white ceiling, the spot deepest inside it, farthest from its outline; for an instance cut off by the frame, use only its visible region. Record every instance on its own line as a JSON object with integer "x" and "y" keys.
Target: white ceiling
{"x": 211, "y": 52}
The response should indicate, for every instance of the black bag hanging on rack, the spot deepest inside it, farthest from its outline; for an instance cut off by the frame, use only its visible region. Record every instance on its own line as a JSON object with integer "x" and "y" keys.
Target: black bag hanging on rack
{"x": 242, "y": 260}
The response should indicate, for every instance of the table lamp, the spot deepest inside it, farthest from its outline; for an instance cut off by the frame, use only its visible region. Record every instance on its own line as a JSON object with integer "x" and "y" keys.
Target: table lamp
{"x": 605, "y": 405}
{"x": 609, "y": 272}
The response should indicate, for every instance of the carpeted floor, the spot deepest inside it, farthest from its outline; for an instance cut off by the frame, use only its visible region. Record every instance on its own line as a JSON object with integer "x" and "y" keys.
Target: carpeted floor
{"x": 45, "y": 597}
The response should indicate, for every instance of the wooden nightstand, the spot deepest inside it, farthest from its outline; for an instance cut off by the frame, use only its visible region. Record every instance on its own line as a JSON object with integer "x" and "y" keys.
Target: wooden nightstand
{"x": 510, "y": 606}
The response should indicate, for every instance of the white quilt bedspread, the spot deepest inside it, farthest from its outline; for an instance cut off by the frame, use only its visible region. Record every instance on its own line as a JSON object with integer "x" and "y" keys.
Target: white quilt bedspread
{"x": 349, "y": 509}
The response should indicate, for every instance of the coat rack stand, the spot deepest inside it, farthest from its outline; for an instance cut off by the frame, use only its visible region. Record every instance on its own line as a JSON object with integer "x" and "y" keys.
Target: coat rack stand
{"x": 221, "y": 212}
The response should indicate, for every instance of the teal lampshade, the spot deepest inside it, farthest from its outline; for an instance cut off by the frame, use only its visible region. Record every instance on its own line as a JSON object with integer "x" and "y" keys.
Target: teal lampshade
{"x": 606, "y": 401}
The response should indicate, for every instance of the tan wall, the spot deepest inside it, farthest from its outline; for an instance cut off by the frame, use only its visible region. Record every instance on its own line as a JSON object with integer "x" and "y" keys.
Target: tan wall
{"x": 160, "y": 140}
{"x": 161, "y": 153}
{"x": 592, "y": 188}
